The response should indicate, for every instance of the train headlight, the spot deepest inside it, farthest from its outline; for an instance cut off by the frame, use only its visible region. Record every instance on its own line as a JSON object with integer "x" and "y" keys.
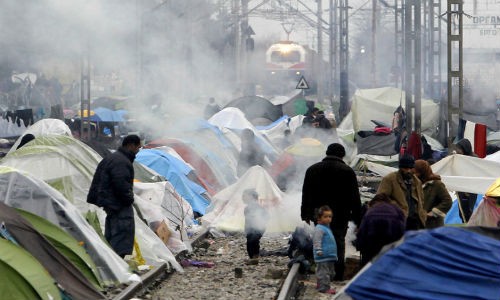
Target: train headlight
{"x": 272, "y": 72}
{"x": 297, "y": 73}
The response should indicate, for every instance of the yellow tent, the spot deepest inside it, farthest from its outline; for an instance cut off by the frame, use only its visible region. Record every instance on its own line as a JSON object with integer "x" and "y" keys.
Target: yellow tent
{"x": 85, "y": 113}
{"x": 494, "y": 189}
{"x": 307, "y": 147}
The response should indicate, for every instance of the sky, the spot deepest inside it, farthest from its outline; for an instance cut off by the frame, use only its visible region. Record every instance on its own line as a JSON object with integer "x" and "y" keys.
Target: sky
{"x": 57, "y": 30}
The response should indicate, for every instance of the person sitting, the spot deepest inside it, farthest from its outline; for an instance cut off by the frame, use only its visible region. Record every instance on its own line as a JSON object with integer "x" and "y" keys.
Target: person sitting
{"x": 320, "y": 121}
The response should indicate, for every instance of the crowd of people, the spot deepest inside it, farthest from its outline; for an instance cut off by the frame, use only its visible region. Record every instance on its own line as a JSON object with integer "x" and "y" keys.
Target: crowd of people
{"x": 410, "y": 198}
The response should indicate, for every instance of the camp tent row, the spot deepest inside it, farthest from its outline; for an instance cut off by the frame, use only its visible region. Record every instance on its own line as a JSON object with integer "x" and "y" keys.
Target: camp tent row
{"x": 48, "y": 179}
{"x": 62, "y": 168}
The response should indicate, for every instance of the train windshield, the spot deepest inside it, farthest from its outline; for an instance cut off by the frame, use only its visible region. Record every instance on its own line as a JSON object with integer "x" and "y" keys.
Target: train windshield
{"x": 288, "y": 57}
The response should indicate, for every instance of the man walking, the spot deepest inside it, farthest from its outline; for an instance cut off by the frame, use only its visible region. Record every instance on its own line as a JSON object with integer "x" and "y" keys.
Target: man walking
{"x": 332, "y": 182}
{"x": 112, "y": 189}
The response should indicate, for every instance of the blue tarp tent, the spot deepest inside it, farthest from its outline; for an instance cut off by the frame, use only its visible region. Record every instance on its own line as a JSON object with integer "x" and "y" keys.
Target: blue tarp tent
{"x": 176, "y": 172}
{"x": 453, "y": 215}
{"x": 443, "y": 263}
{"x": 102, "y": 114}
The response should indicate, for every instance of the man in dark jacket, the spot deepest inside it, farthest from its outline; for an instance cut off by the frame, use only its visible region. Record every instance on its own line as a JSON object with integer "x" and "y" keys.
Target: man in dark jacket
{"x": 112, "y": 189}
{"x": 332, "y": 182}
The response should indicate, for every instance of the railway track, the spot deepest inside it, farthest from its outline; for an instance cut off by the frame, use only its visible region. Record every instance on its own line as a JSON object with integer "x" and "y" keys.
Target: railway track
{"x": 217, "y": 269}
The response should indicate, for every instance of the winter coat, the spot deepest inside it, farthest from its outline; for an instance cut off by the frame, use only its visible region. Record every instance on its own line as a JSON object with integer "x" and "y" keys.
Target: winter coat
{"x": 323, "y": 122}
{"x": 324, "y": 241}
{"x": 394, "y": 187}
{"x": 250, "y": 155}
{"x": 436, "y": 200}
{"x": 112, "y": 185}
{"x": 256, "y": 218}
{"x": 331, "y": 182}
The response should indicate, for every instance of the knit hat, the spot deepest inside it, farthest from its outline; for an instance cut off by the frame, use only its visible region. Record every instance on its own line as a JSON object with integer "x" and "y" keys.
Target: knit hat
{"x": 406, "y": 161}
{"x": 336, "y": 149}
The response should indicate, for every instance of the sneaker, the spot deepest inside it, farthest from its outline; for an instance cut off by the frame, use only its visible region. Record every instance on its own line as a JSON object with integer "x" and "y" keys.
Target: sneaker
{"x": 329, "y": 291}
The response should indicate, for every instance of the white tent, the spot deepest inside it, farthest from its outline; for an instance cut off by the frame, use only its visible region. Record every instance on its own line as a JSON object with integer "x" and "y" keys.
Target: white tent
{"x": 20, "y": 190}
{"x": 459, "y": 173}
{"x": 68, "y": 165}
{"x": 158, "y": 201}
{"x": 234, "y": 118}
{"x": 227, "y": 209}
{"x": 45, "y": 127}
{"x": 379, "y": 104}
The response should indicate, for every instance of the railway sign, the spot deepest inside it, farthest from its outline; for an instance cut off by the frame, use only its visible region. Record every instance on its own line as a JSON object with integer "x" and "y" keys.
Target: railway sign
{"x": 302, "y": 85}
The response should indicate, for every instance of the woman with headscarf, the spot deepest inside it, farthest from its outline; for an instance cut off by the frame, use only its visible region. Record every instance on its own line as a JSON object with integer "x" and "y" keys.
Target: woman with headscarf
{"x": 437, "y": 200}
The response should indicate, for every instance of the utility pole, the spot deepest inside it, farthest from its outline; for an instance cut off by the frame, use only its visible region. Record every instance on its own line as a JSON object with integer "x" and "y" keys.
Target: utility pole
{"x": 85, "y": 133}
{"x": 455, "y": 69}
{"x": 432, "y": 48}
{"x": 244, "y": 51}
{"x": 413, "y": 65}
{"x": 332, "y": 78}
{"x": 344, "y": 58}
{"x": 237, "y": 41}
{"x": 374, "y": 43}
{"x": 399, "y": 38}
{"x": 319, "y": 61}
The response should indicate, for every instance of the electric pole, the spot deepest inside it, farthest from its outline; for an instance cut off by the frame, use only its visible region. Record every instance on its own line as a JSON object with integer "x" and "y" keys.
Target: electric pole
{"x": 344, "y": 58}
{"x": 455, "y": 69}
{"x": 319, "y": 61}
{"x": 374, "y": 43}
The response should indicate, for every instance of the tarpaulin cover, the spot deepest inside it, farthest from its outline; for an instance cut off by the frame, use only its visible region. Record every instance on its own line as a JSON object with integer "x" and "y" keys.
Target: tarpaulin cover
{"x": 176, "y": 172}
{"x": 227, "y": 209}
{"x": 444, "y": 263}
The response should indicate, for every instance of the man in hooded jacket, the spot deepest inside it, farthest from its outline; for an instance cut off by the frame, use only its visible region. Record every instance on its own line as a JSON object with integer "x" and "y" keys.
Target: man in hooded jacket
{"x": 405, "y": 190}
{"x": 332, "y": 182}
{"x": 112, "y": 189}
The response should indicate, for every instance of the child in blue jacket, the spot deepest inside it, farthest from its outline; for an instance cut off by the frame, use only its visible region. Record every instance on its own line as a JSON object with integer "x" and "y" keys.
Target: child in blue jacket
{"x": 325, "y": 250}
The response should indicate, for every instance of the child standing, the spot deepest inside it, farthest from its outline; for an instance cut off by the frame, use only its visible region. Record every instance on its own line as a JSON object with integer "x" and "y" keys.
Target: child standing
{"x": 255, "y": 224}
{"x": 325, "y": 250}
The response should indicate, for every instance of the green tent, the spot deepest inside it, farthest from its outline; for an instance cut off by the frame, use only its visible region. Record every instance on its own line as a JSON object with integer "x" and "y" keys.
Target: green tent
{"x": 67, "y": 245}
{"x": 23, "y": 277}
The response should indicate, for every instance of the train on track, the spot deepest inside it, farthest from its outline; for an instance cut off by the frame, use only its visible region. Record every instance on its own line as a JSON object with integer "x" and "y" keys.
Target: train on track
{"x": 286, "y": 62}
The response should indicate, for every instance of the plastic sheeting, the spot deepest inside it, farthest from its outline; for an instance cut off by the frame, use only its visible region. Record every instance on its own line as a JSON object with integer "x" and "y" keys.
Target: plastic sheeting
{"x": 31, "y": 194}
{"x": 486, "y": 214}
{"x": 233, "y": 118}
{"x": 459, "y": 173}
{"x": 226, "y": 211}
{"x": 158, "y": 202}
{"x": 45, "y": 127}
{"x": 380, "y": 104}
{"x": 10, "y": 129}
{"x": 68, "y": 165}
{"x": 467, "y": 174}
{"x": 176, "y": 171}
{"x": 444, "y": 263}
